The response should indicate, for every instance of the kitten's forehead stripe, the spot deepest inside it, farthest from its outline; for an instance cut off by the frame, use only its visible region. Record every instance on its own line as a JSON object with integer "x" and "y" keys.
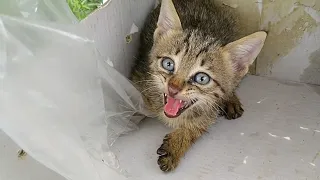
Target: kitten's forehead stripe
{"x": 177, "y": 51}
{"x": 205, "y": 49}
{"x": 202, "y": 62}
{"x": 186, "y": 42}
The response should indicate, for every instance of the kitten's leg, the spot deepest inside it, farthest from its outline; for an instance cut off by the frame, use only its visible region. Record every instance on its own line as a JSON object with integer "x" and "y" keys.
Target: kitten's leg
{"x": 175, "y": 145}
{"x": 233, "y": 107}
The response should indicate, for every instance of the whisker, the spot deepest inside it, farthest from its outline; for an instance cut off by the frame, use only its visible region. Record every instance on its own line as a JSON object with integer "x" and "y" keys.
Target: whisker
{"x": 145, "y": 81}
{"x": 215, "y": 105}
{"x": 222, "y": 109}
{"x": 205, "y": 112}
{"x": 211, "y": 103}
{"x": 153, "y": 75}
{"x": 157, "y": 76}
{"x": 148, "y": 89}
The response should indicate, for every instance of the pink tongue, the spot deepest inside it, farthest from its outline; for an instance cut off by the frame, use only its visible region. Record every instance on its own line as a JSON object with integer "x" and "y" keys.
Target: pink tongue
{"x": 172, "y": 107}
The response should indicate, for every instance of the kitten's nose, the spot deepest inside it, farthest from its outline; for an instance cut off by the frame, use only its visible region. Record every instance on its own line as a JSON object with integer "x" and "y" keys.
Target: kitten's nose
{"x": 173, "y": 90}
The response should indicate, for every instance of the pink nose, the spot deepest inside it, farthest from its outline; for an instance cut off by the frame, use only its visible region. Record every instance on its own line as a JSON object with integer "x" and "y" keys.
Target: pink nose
{"x": 173, "y": 90}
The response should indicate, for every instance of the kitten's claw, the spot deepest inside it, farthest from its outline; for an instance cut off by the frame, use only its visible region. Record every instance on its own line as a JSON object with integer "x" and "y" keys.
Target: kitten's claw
{"x": 233, "y": 110}
{"x": 161, "y": 151}
{"x": 166, "y": 163}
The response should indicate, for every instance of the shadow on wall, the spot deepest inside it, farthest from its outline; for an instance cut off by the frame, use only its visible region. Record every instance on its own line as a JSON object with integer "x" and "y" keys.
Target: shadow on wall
{"x": 312, "y": 73}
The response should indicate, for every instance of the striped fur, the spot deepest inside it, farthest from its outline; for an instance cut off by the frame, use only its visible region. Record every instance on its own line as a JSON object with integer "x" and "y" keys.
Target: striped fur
{"x": 201, "y": 42}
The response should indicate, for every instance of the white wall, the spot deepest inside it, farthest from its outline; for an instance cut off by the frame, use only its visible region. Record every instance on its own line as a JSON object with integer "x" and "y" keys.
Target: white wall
{"x": 110, "y": 26}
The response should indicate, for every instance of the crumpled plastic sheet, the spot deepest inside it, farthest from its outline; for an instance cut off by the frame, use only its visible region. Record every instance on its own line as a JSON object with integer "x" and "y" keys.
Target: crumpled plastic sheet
{"x": 59, "y": 100}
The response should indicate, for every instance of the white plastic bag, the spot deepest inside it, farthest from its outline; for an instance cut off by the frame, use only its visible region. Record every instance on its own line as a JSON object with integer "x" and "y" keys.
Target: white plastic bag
{"x": 59, "y": 101}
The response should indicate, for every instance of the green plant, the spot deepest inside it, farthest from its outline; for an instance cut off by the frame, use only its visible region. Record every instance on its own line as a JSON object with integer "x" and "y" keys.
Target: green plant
{"x": 82, "y": 8}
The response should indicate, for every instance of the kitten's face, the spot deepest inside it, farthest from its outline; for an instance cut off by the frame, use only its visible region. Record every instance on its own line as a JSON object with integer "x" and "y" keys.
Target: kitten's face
{"x": 194, "y": 72}
{"x": 190, "y": 72}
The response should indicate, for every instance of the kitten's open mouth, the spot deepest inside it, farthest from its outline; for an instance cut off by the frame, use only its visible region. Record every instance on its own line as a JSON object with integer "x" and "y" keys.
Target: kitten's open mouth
{"x": 174, "y": 107}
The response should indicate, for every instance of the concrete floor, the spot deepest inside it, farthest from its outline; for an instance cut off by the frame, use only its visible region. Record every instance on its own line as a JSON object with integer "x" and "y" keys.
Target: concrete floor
{"x": 14, "y": 168}
{"x": 277, "y": 138}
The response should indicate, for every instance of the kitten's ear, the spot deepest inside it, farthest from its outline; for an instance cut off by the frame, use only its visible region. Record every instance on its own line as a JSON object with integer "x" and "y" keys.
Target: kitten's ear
{"x": 168, "y": 19}
{"x": 244, "y": 51}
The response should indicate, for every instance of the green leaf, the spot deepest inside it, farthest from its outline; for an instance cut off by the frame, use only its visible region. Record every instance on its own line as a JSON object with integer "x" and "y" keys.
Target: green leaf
{"x": 82, "y": 8}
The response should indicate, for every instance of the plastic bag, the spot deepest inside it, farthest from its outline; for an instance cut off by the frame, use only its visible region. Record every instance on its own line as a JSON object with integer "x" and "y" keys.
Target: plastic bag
{"x": 59, "y": 101}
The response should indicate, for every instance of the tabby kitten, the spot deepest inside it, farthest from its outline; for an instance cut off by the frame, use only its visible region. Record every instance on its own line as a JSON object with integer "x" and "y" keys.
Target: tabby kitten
{"x": 189, "y": 65}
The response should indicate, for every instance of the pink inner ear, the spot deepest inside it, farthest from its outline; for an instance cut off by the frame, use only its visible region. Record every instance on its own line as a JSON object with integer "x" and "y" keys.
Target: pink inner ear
{"x": 168, "y": 18}
{"x": 241, "y": 57}
{"x": 238, "y": 66}
{"x": 244, "y": 51}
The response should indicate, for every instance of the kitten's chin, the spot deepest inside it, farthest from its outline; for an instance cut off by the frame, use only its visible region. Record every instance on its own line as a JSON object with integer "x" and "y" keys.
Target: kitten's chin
{"x": 174, "y": 107}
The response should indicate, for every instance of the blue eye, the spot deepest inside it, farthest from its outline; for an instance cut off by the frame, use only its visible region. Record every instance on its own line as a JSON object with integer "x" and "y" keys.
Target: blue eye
{"x": 202, "y": 78}
{"x": 168, "y": 64}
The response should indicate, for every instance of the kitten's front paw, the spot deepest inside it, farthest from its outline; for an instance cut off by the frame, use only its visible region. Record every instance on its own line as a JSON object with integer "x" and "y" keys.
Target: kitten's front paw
{"x": 167, "y": 160}
{"x": 233, "y": 110}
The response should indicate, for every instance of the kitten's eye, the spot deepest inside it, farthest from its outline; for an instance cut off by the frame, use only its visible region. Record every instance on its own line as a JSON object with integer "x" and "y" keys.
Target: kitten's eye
{"x": 168, "y": 64}
{"x": 202, "y": 78}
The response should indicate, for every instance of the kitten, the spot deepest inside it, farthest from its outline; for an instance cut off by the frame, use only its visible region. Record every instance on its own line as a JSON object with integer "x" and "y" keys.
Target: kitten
{"x": 189, "y": 65}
